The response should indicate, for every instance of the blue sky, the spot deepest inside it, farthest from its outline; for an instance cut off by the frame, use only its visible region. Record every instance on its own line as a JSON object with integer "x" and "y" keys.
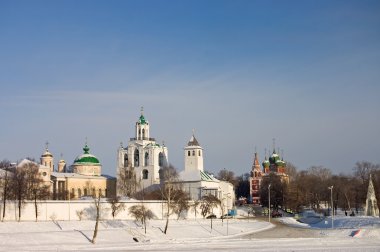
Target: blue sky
{"x": 239, "y": 72}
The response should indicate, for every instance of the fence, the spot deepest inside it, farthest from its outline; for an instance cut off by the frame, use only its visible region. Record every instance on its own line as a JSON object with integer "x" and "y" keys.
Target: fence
{"x": 85, "y": 210}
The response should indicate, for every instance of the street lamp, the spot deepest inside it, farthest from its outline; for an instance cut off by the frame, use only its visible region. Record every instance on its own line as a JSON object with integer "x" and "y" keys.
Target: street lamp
{"x": 332, "y": 206}
{"x": 269, "y": 201}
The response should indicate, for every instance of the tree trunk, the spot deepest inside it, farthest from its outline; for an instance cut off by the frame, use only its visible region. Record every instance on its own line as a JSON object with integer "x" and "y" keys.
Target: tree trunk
{"x": 5, "y": 193}
{"x": 19, "y": 208}
{"x": 168, "y": 212}
{"x": 35, "y": 206}
{"x": 97, "y": 205}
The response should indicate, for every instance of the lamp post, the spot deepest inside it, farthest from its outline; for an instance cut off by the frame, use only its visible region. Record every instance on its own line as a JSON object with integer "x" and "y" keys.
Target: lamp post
{"x": 269, "y": 202}
{"x": 332, "y": 206}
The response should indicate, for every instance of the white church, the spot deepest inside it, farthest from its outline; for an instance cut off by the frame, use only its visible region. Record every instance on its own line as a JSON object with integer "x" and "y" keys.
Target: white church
{"x": 147, "y": 157}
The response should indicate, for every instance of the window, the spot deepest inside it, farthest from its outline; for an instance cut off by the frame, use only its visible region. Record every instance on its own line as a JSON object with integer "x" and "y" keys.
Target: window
{"x": 193, "y": 152}
{"x": 188, "y": 153}
{"x": 146, "y": 159}
{"x": 143, "y": 134}
{"x": 93, "y": 192}
{"x": 100, "y": 192}
{"x": 137, "y": 157}
{"x": 125, "y": 160}
{"x": 72, "y": 193}
{"x": 145, "y": 174}
{"x": 160, "y": 159}
{"x": 161, "y": 174}
{"x": 85, "y": 192}
{"x": 79, "y": 193}
{"x": 199, "y": 153}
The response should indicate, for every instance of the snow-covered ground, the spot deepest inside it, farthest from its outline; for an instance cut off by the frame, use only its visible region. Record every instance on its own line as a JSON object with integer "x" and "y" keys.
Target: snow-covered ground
{"x": 188, "y": 235}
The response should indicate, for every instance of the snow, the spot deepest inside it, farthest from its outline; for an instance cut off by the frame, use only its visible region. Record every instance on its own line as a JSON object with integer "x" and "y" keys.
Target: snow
{"x": 188, "y": 235}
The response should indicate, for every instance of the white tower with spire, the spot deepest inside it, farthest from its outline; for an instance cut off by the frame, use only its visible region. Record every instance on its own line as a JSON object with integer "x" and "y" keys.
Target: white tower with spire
{"x": 47, "y": 158}
{"x": 193, "y": 155}
{"x": 143, "y": 155}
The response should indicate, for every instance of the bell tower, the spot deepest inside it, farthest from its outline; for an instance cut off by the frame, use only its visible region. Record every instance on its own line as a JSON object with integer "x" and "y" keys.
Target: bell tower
{"x": 193, "y": 155}
{"x": 47, "y": 158}
{"x": 142, "y": 127}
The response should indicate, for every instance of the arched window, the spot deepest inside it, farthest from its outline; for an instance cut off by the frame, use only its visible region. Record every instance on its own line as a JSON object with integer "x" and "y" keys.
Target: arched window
{"x": 105, "y": 192}
{"x": 146, "y": 159}
{"x": 93, "y": 192}
{"x": 193, "y": 152}
{"x": 85, "y": 192}
{"x": 125, "y": 160}
{"x": 100, "y": 192}
{"x": 199, "y": 153}
{"x": 160, "y": 159}
{"x": 188, "y": 153}
{"x": 145, "y": 174}
{"x": 72, "y": 193}
{"x": 143, "y": 134}
{"x": 137, "y": 157}
{"x": 139, "y": 133}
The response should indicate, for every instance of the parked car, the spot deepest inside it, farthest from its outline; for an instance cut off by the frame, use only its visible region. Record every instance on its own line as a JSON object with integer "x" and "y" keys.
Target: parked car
{"x": 226, "y": 216}
{"x": 211, "y": 216}
{"x": 276, "y": 214}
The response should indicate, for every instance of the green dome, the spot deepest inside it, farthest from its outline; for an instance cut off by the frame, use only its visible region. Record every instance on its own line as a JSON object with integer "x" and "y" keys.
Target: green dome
{"x": 266, "y": 163}
{"x": 142, "y": 120}
{"x": 86, "y": 158}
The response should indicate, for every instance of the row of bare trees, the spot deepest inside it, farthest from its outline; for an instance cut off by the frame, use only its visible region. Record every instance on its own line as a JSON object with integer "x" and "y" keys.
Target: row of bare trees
{"x": 21, "y": 183}
{"x": 309, "y": 188}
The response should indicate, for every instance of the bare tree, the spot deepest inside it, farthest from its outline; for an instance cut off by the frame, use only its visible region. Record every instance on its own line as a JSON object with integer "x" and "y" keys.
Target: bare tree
{"x": 36, "y": 189}
{"x": 4, "y": 183}
{"x": 181, "y": 203}
{"x": 97, "y": 207}
{"x": 127, "y": 183}
{"x": 19, "y": 188}
{"x": 116, "y": 206}
{"x": 141, "y": 213}
{"x": 209, "y": 202}
{"x": 171, "y": 191}
{"x": 228, "y": 176}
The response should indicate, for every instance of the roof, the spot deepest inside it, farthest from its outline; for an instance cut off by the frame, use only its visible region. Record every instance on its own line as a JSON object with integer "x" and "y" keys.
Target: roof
{"x": 207, "y": 177}
{"x": 86, "y": 158}
{"x": 79, "y": 176}
{"x": 193, "y": 141}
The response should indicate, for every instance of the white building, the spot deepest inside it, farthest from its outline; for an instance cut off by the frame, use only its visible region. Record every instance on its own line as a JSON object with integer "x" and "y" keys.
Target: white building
{"x": 198, "y": 183}
{"x": 143, "y": 154}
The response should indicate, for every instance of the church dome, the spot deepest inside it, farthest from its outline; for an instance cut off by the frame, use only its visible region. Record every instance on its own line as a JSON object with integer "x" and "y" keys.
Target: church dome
{"x": 266, "y": 163}
{"x": 142, "y": 120}
{"x": 47, "y": 154}
{"x": 87, "y": 158}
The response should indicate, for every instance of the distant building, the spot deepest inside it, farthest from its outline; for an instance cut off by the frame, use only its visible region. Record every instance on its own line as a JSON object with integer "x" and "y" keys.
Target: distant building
{"x": 255, "y": 181}
{"x": 143, "y": 155}
{"x": 83, "y": 178}
{"x": 198, "y": 182}
{"x": 272, "y": 165}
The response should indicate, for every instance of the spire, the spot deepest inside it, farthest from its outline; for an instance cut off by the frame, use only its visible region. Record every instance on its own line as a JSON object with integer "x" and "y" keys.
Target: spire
{"x": 47, "y": 145}
{"x": 86, "y": 149}
{"x": 274, "y": 145}
{"x": 193, "y": 141}
{"x": 142, "y": 118}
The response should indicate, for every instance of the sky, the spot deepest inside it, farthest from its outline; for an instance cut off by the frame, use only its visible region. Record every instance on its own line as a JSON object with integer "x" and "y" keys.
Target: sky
{"x": 239, "y": 73}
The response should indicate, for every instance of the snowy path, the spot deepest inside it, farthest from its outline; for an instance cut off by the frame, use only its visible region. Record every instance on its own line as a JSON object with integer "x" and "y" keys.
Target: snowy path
{"x": 184, "y": 235}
